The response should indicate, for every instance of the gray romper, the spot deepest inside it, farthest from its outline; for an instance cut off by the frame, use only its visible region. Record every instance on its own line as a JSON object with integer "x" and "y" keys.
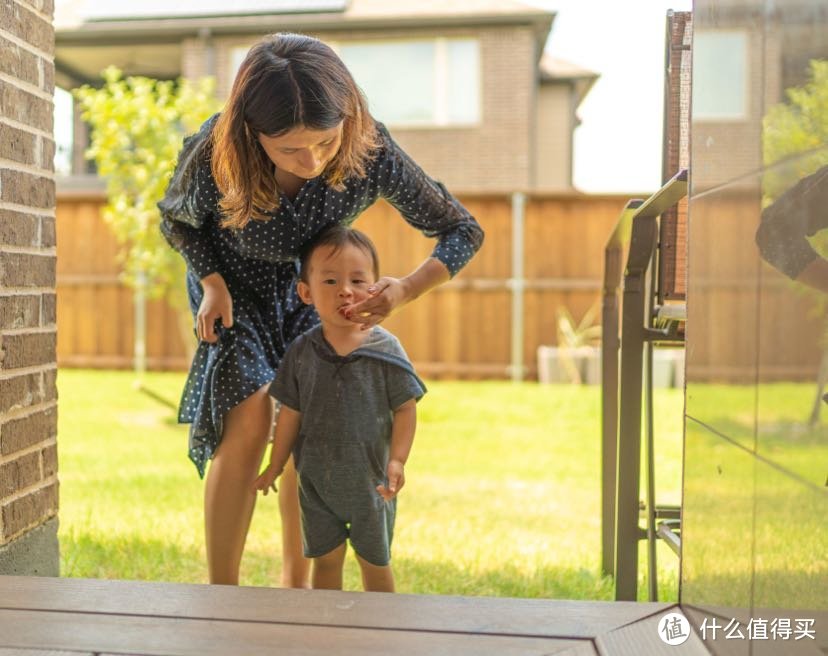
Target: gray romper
{"x": 341, "y": 453}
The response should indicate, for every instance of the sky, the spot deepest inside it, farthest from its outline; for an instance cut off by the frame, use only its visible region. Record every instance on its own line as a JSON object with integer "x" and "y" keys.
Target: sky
{"x": 618, "y": 144}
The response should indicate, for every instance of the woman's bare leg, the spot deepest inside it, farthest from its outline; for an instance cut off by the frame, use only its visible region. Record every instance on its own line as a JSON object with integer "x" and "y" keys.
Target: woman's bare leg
{"x": 295, "y": 567}
{"x": 327, "y": 569}
{"x": 376, "y": 578}
{"x": 229, "y": 497}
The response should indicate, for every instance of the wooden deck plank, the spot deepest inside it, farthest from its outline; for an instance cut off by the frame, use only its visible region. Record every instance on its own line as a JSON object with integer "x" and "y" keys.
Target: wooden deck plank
{"x": 154, "y": 636}
{"x": 479, "y": 615}
{"x": 642, "y": 639}
{"x": 586, "y": 648}
{"x": 40, "y": 652}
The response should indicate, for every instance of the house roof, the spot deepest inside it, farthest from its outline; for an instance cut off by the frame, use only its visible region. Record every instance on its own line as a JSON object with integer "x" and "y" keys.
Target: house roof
{"x": 556, "y": 70}
{"x": 93, "y": 19}
{"x": 76, "y": 13}
{"x": 144, "y": 38}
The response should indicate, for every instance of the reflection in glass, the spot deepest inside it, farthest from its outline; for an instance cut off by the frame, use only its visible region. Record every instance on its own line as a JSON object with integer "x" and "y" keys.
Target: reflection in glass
{"x": 717, "y": 521}
{"x": 791, "y": 567}
{"x": 756, "y": 449}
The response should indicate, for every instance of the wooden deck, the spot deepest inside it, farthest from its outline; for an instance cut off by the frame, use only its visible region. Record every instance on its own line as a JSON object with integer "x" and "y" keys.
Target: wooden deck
{"x": 63, "y": 617}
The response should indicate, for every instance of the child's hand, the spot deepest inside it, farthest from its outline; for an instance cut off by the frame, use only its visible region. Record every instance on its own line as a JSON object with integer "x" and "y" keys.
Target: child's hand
{"x": 266, "y": 481}
{"x": 396, "y": 480}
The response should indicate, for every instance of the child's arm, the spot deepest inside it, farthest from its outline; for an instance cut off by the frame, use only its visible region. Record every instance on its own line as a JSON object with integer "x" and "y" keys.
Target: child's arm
{"x": 402, "y": 437}
{"x": 287, "y": 429}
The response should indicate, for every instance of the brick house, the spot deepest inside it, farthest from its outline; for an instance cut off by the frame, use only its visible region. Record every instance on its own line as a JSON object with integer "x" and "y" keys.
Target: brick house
{"x": 28, "y": 397}
{"x": 477, "y": 106}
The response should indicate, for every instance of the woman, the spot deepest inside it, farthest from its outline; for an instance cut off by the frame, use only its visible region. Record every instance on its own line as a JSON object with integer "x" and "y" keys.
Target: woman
{"x": 294, "y": 150}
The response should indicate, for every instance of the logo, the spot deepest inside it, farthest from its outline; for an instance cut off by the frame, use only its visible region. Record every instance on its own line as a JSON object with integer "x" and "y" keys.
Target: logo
{"x": 673, "y": 629}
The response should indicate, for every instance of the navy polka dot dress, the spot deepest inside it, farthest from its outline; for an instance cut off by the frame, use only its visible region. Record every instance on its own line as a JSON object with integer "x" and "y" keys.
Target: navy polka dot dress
{"x": 259, "y": 265}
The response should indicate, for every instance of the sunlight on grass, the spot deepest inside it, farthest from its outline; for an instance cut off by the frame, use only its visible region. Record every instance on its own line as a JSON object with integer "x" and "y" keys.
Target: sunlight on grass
{"x": 502, "y": 495}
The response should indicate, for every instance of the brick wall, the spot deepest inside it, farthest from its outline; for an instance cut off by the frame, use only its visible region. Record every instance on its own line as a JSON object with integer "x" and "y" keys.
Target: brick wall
{"x": 28, "y": 399}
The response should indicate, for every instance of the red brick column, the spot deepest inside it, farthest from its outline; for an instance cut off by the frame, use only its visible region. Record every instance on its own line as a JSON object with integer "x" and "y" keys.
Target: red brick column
{"x": 28, "y": 399}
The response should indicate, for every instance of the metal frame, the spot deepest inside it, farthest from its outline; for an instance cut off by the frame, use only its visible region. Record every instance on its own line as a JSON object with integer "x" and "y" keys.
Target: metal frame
{"x": 622, "y": 387}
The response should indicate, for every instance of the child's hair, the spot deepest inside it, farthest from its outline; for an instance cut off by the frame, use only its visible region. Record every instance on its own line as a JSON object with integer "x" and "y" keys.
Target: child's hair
{"x": 337, "y": 236}
{"x": 286, "y": 81}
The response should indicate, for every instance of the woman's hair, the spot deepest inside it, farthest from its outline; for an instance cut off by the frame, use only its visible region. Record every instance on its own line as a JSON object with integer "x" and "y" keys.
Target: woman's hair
{"x": 337, "y": 236}
{"x": 285, "y": 81}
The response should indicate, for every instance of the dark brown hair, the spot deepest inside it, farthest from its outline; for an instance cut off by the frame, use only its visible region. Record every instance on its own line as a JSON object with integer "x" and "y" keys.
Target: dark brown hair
{"x": 285, "y": 81}
{"x": 337, "y": 236}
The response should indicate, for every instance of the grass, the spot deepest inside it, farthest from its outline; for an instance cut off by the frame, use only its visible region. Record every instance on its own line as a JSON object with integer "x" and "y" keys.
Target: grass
{"x": 502, "y": 495}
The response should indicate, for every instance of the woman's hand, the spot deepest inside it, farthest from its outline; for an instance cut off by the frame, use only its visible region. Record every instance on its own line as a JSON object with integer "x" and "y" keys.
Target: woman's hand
{"x": 215, "y": 304}
{"x": 387, "y": 294}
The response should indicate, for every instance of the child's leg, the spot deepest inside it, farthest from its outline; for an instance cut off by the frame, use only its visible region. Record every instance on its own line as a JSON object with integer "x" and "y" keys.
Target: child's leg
{"x": 376, "y": 578}
{"x": 295, "y": 567}
{"x": 327, "y": 569}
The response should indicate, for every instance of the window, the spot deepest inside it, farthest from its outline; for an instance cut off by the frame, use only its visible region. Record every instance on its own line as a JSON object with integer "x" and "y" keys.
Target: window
{"x": 720, "y": 75}
{"x": 424, "y": 82}
{"x": 64, "y": 128}
{"x": 419, "y": 82}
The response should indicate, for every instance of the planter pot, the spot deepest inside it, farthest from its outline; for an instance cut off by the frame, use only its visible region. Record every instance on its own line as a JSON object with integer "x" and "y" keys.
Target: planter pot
{"x": 663, "y": 368}
{"x": 569, "y": 365}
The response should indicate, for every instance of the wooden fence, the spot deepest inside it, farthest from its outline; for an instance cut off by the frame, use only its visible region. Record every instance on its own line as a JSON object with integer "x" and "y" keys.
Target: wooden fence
{"x": 749, "y": 322}
{"x": 460, "y": 330}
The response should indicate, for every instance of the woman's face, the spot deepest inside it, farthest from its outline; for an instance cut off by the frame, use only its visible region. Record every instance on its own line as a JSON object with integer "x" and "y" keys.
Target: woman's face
{"x": 304, "y": 153}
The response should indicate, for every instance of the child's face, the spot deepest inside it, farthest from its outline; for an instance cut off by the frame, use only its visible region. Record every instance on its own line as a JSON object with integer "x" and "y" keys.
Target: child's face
{"x": 335, "y": 280}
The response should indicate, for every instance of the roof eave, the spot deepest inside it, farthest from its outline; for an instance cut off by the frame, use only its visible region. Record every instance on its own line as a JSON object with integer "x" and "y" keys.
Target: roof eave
{"x": 581, "y": 83}
{"x": 169, "y": 29}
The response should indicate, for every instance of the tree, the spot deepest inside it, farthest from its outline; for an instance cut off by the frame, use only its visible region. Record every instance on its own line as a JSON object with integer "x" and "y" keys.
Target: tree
{"x": 137, "y": 127}
{"x": 795, "y": 134}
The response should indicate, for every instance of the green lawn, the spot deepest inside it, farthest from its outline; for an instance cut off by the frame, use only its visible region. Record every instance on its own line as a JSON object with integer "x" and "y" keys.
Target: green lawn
{"x": 502, "y": 495}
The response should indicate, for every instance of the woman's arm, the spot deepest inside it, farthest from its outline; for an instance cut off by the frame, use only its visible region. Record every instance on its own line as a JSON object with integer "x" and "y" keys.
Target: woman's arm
{"x": 427, "y": 206}
{"x": 815, "y": 275}
{"x": 190, "y": 202}
{"x": 786, "y": 224}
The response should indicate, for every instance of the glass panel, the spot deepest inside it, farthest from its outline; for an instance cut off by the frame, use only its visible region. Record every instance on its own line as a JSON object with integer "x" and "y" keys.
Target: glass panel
{"x": 757, "y": 223}
{"x": 397, "y": 78}
{"x": 717, "y": 521}
{"x": 463, "y": 80}
{"x": 64, "y": 131}
{"x": 794, "y": 316}
{"x": 723, "y": 309}
{"x": 791, "y": 542}
{"x": 237, "y": 56}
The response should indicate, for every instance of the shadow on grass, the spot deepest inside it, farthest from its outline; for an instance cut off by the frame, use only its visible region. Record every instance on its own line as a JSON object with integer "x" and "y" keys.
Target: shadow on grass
{"x": 152, "y": 560}
{"x": 130, "y": 559}
{"x": 134, "y": 558}
{"x": 549, "y": 582}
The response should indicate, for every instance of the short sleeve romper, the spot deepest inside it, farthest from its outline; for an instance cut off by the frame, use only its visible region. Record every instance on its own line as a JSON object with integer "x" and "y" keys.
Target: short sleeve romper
{"x": 259, "y": 264}
{"x": 347, "y": 406}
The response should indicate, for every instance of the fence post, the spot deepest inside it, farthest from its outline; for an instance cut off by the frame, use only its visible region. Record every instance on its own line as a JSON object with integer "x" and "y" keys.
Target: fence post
{"x": 517, "y": 284}
{"x": 139, "y": 301}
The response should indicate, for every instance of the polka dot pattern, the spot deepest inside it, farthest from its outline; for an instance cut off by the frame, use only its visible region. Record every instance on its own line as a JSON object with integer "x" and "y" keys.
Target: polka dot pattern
{"x": 258, "y": 263}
